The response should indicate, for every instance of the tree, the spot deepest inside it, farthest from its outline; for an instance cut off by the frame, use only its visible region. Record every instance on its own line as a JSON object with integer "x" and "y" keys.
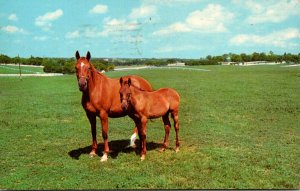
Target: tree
{"x": 236, "y": 58}
{"x": 245, "y": 57}
{"x": 4, "y": 59}
{"x": 255, "y": 56}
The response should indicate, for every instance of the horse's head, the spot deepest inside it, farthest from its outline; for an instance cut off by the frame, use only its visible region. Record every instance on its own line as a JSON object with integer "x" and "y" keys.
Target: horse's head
{"x": 83, "y": 70}
{"x": 125, "y": 92}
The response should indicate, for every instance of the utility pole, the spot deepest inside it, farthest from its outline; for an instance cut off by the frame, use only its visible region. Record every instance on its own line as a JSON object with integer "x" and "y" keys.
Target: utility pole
{"x": 19, "y": 67}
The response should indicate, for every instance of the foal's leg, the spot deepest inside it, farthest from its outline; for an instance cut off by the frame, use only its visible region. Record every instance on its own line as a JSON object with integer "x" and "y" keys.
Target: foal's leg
{"x": 92, "y": 119}
{"x": 133, "y": 137}
{"x": 176, "y": 126}
{"x": 104, "y": 124}
{"x": 142, "y": 133}
{"x": 167, "y": 131}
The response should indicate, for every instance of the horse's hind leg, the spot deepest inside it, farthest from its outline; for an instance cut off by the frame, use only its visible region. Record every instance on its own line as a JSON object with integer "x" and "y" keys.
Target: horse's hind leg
{"x": 167, "y": 125}
{"x": 176, "y": 126}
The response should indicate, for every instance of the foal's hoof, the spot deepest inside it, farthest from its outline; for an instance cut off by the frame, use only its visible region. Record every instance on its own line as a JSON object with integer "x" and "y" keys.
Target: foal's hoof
{"x": 177, "y": 149}
{"x": 143, "y": 157}
{"x": 92, "y": 154}
{"x": 131, "y": 146}
{"x": 162, "y": 149}
{"x": 104, "y": 158}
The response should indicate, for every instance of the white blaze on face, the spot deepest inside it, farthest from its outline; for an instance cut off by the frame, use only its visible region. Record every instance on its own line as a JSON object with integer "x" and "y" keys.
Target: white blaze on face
{"x": 82, "y": 64}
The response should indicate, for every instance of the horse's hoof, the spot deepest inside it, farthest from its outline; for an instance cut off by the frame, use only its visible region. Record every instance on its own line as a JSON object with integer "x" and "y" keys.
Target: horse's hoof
{"x": 92, "y": 154}
{"x": 177, "y": 150}
{"x": 131, "y": 146}
{"x": 143, "y": 157}
{"x": 162, "y": 149}
{"x": 104, "y": 158}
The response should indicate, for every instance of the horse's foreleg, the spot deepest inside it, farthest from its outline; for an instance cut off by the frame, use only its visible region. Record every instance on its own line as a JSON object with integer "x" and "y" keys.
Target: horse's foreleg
{"x": 167, "y": 131}
{"x": 133, "y": 138}
{"x": 92, "y": 119}
{"x": 104, "y": 124}
{"x": 176, "y": 126}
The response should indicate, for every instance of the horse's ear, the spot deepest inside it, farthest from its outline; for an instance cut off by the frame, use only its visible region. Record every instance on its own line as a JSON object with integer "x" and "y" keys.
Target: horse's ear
{"x": 121, "y": 80}
{"x": 129, "y": 81}
{"x": 88, "y": 55}
{"x": 77, "y": 55}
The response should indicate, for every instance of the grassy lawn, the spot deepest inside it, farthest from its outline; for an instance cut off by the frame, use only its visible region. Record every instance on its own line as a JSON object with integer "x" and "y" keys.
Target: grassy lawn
{"x": 239, "y": 128}
{"x": 10, "y": 69}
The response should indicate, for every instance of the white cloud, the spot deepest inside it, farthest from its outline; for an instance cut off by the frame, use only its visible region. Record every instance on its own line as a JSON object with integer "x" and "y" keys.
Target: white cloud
{"x": 98, "y": 9}
{"x": 274, "y": 11}
{"x": 74, "y": 34}
{"x": 170, "y": 2}
{"x": 13, "y": 17}
{"x": 211, "y": 19}
{"x": 12, "y": 29}
{"x": 277, "y": 39}
{"x": 173, "y": 28}
{"x": 172, "y": 48}
{"x": 45, "y": 21}
{"x": 117, "y": 26}
{"x": 143, "y": 12}
{"x": 41, "y": 38}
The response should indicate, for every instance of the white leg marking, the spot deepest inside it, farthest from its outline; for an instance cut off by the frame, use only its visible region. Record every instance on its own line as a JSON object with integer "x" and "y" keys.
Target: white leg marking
{"x": 104, "y": 157}
{"x": 92, "y": 154}
{"x": 132, "y": 140}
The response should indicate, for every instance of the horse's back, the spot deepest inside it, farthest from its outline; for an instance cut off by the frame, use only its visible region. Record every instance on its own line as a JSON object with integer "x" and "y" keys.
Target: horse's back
{"x": 140, "y": 83}
{"x": 169, "y": 92}
{"x": 172, "y": 97}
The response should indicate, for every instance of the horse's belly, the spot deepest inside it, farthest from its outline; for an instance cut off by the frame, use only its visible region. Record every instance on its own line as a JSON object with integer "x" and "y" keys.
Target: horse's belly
{"x": 116, "y": 114}
{"x": 157, "y": 111}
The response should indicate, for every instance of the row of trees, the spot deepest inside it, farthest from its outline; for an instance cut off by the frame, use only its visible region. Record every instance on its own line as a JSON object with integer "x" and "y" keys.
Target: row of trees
{"x": 67, "y": 65}
{"x": 55, "y": 65}
{"x": 255, "y": 56}
{"x": 215, "y": 60}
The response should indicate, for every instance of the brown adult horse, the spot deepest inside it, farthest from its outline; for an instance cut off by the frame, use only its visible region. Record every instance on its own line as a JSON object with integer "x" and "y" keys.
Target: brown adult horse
{"x": 100, "y": 97}
{"x": 142, "y": 105}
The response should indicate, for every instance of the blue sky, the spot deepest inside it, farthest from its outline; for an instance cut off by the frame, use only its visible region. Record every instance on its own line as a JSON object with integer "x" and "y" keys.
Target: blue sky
{"x": 148, "y": 28}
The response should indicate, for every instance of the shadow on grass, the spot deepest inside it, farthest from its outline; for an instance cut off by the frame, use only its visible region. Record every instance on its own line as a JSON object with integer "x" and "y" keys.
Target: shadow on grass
{"x": 115, "y": 147}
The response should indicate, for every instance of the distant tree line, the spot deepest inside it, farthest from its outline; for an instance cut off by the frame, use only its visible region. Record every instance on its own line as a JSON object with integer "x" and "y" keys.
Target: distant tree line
{"x": 55, "y": 65}
{"x": 67, "y": 65}
{"x": 214, "y": 60}
{"x": 241, "y": 58}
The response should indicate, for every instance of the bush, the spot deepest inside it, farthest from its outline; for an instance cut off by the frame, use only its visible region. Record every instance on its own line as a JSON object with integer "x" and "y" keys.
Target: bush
{"x": 52, "y": 66}
{"x": 69, "y": 67}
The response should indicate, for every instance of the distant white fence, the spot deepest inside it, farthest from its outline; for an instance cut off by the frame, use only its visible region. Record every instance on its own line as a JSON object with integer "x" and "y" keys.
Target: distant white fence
{"x": 27, "y": 75}
{"x": 160, "y": 67}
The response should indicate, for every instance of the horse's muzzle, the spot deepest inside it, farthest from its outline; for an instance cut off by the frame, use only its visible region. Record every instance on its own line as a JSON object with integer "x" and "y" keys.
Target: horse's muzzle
{"x": 82, "y": 83}
{"x": 124, "y": 105}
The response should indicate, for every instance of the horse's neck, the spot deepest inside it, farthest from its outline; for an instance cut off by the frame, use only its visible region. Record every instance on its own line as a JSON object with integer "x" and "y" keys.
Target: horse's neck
{"x": 96, "y": 82}
{"x": 135, "y": 94}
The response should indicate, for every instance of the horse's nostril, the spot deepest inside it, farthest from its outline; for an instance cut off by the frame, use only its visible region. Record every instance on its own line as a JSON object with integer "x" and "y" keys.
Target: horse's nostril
{"x": 124, "y": 107}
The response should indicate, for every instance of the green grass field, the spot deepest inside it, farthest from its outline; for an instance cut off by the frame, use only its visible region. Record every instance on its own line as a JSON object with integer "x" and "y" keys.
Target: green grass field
{"x": 10, "y": 69}
{"x": 239, "y": 128}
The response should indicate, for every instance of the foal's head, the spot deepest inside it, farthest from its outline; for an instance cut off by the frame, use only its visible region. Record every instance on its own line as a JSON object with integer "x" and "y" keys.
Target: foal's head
{"x": 125, "y": 92}
{"x": 83, "y": 70}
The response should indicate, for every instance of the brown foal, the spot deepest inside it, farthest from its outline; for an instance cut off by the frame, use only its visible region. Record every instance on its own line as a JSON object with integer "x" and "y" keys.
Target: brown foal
{"x": 142, "y": 105}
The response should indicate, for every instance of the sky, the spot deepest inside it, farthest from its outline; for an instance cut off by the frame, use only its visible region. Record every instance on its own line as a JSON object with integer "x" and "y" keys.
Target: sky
{"x": 148, "y": 28}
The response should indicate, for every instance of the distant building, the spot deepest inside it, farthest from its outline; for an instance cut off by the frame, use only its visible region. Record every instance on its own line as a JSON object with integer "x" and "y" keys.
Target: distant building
{"x": 177, "y": 64}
